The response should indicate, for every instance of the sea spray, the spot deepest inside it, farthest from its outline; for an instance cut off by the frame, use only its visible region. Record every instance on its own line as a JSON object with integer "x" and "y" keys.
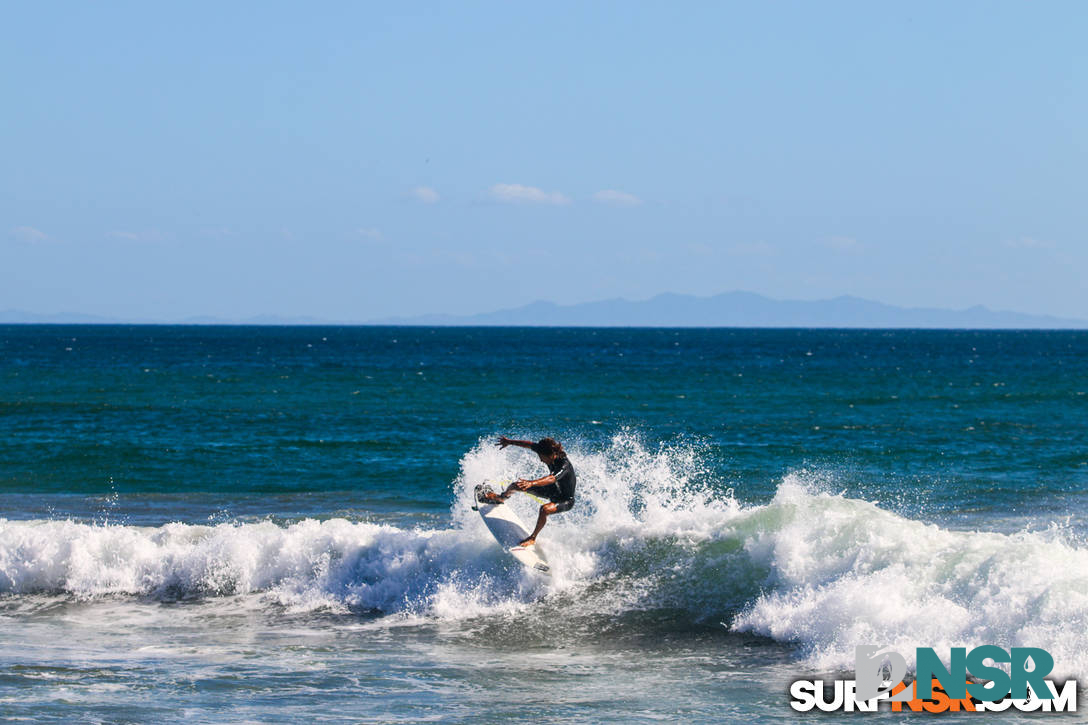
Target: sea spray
{"x": 653, "y": 531}
{"x": 844, "y": 572}
{"x": 333, "y": 563}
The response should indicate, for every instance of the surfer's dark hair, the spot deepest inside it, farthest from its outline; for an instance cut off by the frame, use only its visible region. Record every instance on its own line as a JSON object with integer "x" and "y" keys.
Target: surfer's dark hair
{"x": 549, "y": 447}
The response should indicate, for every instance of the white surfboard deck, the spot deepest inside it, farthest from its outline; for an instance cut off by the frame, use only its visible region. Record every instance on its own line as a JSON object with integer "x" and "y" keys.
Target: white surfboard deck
{"x": 508, "y": 530}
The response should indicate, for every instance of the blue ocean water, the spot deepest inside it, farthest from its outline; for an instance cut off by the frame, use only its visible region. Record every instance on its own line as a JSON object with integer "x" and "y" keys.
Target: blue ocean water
{"x": 263, "y": 523}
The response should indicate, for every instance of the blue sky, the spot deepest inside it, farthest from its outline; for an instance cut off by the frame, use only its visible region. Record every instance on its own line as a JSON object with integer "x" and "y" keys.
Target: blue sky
{"x": 361, "y": 160}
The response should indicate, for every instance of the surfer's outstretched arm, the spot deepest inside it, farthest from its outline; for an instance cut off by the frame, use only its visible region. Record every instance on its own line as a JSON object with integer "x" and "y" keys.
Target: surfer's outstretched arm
{"x": 504, "y": 442}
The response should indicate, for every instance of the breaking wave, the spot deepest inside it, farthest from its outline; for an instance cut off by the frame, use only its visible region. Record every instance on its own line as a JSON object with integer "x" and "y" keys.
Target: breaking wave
{"x": 651, "y": 532}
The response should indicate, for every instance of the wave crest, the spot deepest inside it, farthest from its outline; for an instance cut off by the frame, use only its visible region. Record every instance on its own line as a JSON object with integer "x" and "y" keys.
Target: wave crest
{"x": 651, "y": 531}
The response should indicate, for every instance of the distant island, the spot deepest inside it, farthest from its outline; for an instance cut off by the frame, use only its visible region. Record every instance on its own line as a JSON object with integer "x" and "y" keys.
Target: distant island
{"x": 743, "y": 309}
{"x": 730, "y": 309}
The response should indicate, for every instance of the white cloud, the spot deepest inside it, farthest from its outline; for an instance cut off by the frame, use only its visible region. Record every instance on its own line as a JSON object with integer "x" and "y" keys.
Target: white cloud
{"x": 646, "y": 255}
{"x": 518, "y": 194}
{"x": 1029, "y": 243}
{"x": 616, "y": 198}
{"x": 30, "y": 235}
{"x": 425, "y": 194}
{"x": 753, "y": 249}
{"x": 151, "y": 235}
{"x": 843, "y": 244}
{"x": 372, "y": 233}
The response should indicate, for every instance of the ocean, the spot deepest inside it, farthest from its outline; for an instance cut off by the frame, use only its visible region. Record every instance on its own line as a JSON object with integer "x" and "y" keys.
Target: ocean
{"x": 273, "y": 524}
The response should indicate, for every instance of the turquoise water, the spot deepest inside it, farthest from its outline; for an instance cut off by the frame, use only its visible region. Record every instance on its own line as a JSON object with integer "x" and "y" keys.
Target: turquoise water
{"x": 259, "y": 523}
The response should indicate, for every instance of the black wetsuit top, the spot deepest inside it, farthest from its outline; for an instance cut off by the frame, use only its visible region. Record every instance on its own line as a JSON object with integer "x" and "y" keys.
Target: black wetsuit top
{"x": 562, "y": 490}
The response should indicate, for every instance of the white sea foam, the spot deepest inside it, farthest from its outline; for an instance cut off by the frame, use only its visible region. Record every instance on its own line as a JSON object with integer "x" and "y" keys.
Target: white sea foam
{"x": 307, "y": 564}
{"x": 650, "y": 531}
{"x": 844, "y": 572}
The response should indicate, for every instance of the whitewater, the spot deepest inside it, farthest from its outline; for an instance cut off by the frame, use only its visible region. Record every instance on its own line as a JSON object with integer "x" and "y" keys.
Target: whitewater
{"x": 654, "y": 532}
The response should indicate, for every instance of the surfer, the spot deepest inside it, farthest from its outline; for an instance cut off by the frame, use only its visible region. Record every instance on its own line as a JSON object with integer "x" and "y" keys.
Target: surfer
{"x": 557, "y": 486}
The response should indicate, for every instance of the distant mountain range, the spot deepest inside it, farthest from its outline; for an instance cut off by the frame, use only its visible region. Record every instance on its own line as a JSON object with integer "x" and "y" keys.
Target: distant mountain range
{"x": 742, "y": 309}
{"x": 731, "y": 309}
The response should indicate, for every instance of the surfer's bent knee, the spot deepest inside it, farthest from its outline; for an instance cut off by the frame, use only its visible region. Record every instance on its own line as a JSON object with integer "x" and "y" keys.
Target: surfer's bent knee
{"x": 558, "y": 507}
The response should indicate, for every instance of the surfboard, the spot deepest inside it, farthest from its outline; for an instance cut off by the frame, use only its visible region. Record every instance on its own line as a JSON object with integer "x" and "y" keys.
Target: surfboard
{"x": 508, "y": 530}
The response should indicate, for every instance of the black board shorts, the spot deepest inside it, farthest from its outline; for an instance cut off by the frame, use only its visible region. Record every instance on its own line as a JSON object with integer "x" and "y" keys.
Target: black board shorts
{"x": 553, "y": 494}
{"x": 563, "y": 504}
